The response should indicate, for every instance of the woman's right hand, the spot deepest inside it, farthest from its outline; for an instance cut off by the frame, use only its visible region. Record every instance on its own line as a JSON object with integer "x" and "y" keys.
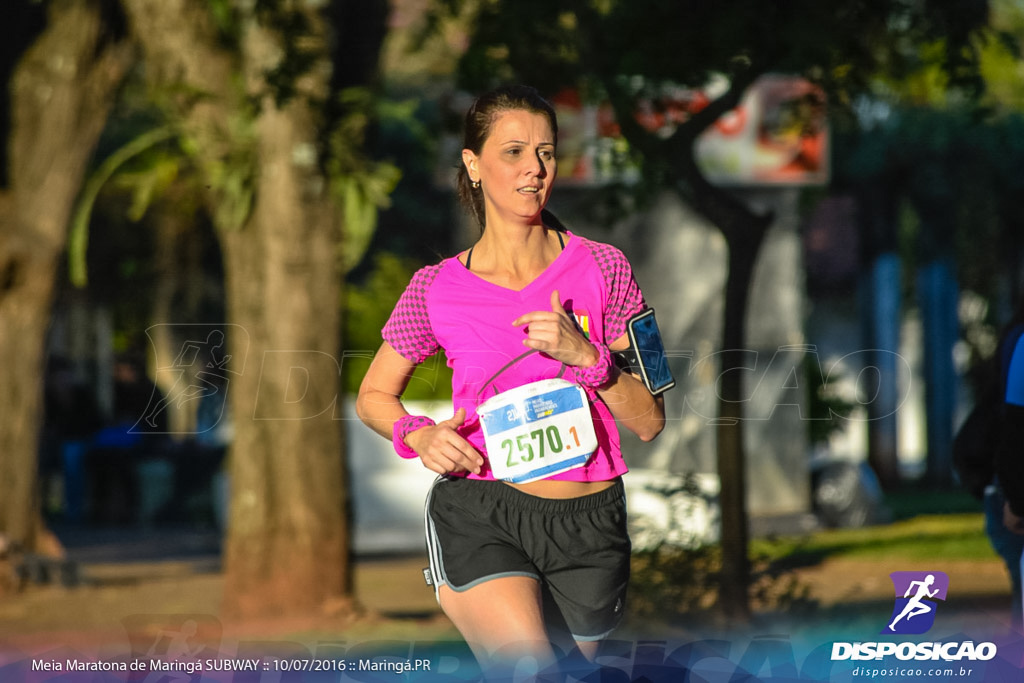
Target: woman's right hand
{"x": 443, "y": 450}
{"x": 1011, "y": 521}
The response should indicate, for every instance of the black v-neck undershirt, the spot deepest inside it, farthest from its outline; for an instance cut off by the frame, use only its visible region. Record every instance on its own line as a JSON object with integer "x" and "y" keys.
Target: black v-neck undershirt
{"x": 469, "y": 254}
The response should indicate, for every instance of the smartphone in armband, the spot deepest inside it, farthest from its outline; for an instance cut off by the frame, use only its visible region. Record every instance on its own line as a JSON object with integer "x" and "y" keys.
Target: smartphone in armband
{"x": 646, "y": 353}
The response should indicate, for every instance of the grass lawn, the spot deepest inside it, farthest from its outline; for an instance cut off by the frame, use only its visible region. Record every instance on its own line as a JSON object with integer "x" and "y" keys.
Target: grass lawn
{"x": 924, "y": 526}
{"x": 958, "y": 536}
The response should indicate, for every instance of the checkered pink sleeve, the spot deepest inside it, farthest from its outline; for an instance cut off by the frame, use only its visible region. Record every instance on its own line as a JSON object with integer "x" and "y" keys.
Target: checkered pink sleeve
{"x": 408, "y": 330}
{"x": 624, "y": 298}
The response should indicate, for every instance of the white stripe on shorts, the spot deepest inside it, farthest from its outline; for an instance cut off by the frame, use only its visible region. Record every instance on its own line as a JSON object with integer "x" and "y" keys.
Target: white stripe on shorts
{"x": 433, "y": 544}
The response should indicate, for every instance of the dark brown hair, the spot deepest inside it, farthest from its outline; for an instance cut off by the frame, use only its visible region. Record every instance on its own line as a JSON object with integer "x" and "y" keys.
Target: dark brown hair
{"x": 480, "y": 119}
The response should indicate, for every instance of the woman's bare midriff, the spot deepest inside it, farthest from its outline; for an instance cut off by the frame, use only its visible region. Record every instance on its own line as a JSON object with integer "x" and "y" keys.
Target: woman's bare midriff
{"x": 546, "y": 488}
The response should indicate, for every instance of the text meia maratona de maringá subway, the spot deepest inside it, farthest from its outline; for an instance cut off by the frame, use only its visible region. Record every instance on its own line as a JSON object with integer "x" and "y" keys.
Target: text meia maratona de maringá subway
{"x": 77, "y": 665}
{"x": 158, "y": 665}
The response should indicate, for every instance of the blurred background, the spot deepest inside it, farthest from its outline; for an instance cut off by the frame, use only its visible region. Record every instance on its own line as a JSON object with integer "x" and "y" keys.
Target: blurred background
{"x": 208, "y": 209}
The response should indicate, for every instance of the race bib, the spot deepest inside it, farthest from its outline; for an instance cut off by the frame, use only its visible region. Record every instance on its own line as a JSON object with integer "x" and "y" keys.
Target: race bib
{"x": 537, "y": 430}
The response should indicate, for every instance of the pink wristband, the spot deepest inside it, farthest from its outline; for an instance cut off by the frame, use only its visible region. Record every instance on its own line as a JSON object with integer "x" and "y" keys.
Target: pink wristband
{"x": 598, "y": 374}
{"x": 405, "y": 426}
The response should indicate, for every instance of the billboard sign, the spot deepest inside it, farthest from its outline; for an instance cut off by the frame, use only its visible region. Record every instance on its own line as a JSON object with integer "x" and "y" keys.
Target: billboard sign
{"x": 778, "y": 135}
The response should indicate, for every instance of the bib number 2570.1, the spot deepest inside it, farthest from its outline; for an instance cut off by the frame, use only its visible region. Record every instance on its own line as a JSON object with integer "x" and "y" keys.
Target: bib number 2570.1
{"x": 537, "y": 430}
{"x": 546, "y": 441}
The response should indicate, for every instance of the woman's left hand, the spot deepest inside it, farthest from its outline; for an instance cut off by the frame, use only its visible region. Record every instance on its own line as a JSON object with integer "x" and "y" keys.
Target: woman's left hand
{"x": 555, "y": 333}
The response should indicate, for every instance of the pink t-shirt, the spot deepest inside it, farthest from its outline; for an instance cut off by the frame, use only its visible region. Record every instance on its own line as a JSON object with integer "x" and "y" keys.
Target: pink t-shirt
{"x": 446, "y": 306}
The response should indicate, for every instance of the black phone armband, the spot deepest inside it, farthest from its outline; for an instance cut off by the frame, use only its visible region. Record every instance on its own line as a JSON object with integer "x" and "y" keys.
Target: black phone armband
{"x": 645, "y": 356}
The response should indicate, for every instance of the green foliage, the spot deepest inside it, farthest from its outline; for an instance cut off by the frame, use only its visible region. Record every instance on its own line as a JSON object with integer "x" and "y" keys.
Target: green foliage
{"x": 230, "y": 176}
{"x": 1000, "y": 58}
{"x": 368, "y": 304}
{"x": 361, "y": 196}
{"x": 300, "y": 46}
{"x": 361, "y": 186}
{"x": 684, "y": 42}
{"x": 827, "y": 406}
{"x": 670, "y": 584}
{"x": 224, "y": 19}
{"x": 78, "y": 236}
{"x": 149, "y": 183}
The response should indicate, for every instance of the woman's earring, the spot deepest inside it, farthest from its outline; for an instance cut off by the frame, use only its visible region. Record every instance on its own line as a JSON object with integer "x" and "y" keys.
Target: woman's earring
{"x": 475, "y": 184}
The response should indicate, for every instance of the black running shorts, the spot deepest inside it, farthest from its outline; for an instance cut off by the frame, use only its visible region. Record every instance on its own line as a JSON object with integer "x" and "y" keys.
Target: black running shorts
{"x": 578, "y": 548}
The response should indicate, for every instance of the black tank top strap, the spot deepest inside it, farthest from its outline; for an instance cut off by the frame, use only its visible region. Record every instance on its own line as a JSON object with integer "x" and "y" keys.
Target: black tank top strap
{"x": 469, "y": 254}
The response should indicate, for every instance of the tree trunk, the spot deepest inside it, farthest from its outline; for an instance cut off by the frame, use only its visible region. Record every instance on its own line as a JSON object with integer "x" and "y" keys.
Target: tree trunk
{"x": 287, "y": 547}
{"x": 744, "y": 233}
{"x": 732, "y": 468}
{"x": 287, "y": 542}
{"x": 62, "y": 92}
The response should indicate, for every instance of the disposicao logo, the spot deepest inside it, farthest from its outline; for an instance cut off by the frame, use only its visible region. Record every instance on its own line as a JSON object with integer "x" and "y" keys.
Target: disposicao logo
{"x": 914, "y": 613}
{"x": 916, "y": 593}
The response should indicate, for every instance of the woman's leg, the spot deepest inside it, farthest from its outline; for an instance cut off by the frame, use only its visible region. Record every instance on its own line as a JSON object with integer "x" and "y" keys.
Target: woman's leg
{"x": 502, "y": 620}
{"x": 588, "y": 648}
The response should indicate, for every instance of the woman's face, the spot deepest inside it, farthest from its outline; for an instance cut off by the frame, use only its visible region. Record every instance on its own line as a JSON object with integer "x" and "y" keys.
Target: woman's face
{"x": 516, "y": 166}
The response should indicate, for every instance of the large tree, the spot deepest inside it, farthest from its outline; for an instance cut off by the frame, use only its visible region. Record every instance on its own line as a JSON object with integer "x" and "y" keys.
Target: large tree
{"x": 635, "y": 52}
{"x": 251, "y": 91}
{"x": 61, "y": 91}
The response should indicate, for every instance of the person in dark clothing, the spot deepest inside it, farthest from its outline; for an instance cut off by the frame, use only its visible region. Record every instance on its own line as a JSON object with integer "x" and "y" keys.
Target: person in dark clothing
{"x": 71, "y": 416}
{"x": 1004, "y": 501}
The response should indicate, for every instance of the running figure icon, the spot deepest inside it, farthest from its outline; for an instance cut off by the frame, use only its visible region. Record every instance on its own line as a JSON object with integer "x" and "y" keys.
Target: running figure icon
{"x": 916, "y": 606}
{"x": 203, "y": 369}
{"x": 917, "y": 595}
